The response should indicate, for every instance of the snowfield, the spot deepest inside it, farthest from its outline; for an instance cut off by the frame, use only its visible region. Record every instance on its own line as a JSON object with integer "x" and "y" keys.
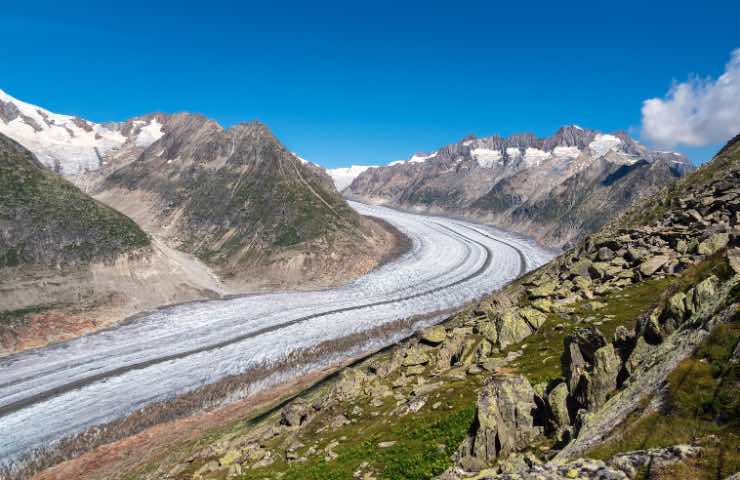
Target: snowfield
{"x": 69, "y": 144}
{"x": 54, "y": 392}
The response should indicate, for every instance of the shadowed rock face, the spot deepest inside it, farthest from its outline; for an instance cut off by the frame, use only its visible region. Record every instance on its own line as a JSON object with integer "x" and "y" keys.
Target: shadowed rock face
{"x": 557, "y": 189}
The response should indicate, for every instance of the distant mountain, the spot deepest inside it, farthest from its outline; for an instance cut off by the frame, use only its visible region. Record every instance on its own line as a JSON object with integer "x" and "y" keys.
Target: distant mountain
{"x": 557, "y": 189}
{"x": 245, "y": 205}
{"x": 71, "y": 145}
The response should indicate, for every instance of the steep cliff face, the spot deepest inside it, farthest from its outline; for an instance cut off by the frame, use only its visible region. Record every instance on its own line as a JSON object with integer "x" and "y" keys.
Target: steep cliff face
{"x": 617, "y": 360}
{"x": 557, "y": 189}
{"x": 241, "y": 202}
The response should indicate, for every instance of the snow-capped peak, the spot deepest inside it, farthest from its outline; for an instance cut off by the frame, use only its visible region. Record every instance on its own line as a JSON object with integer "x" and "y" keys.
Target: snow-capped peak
{"x": 344, "y": 176}
{"x": 421, "y": 157}
{"x": 67, "y": 143}
{"x": 603, "y": 143}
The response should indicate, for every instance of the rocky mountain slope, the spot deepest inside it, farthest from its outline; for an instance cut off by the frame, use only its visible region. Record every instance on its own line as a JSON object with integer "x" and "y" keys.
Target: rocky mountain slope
{"x": 556, "y": 189}
{"x": 231, "y": 200}
{"x": 618, "y": 360}
{"x": 246, "y": 206}
{"x": 70, "y": 145}
{"x": 68, "y": 261}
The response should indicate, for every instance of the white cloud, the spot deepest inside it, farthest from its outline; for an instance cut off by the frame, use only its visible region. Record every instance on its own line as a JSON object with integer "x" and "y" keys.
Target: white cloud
{"x": 697, "y": 112}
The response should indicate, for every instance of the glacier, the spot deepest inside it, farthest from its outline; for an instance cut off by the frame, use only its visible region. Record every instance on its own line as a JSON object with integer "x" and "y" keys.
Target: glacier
{"x": 55, "y": 392}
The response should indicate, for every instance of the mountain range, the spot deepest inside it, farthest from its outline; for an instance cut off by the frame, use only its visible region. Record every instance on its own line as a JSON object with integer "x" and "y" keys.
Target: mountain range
{"x": 220, "y": 211}
{"x": 204, "y": 210}
{"x": 556, "y": 189}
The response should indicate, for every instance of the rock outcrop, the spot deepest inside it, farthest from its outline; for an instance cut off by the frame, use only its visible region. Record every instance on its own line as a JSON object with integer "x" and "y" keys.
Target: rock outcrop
{"x": 505, "y": 421}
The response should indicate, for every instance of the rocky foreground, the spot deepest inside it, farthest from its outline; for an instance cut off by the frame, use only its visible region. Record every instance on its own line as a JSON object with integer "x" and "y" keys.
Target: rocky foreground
{"x": 617, "y": 360}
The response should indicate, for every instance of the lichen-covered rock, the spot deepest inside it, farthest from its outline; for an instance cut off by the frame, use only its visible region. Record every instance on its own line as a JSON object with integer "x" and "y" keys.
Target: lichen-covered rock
{"x": 209, "y": 467}
{"x": 676, "y": 307}
{"x": 542, "y": 305}
{"x": 582, "y": 282}
{"x": 639, "y": 353}
{"x": 294, "y": 414}
{"x": 231, "y": 456}
{"x": 578, "y": 361}
{"x": 467, "y": 352}
{"x": 545, "y": 290}
{"x": 505, "y": 418}
{"x": 702, "y": 294}
{"x": 713, "y": 244}
{"x": 733, "y": 257}
{"x": 581, "y": 268}
{"x": 605, "y": 254}
{"x": 511, "y": 329}
{"x": 598, "y": 270}
{"x": 636, "y": 255}
{"x": 415, "y": 356}
{"x": 632, "y": 462}
{"x": 603, "y": 378}
{"x": 652, "y": 265}
{"x": 557, "y": 400}
{"x": 377, "y": 389}
{"x": 433, "y": 335}
{"x": 350, "y": 383}
{"x": 488, "y": 330}
{"x": 533, "y": 317}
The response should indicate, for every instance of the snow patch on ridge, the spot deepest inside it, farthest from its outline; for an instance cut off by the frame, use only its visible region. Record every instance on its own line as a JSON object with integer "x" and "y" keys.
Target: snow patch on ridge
{"x": 149, "y": 133}
{"x": 535, "y": 156}
{"x": 415, "y": 158}
{"x": 603, "y": 143}
{"x": 67, "y": 143}
{"x": 421, "y": 157}
{"x": 485, "y": 157}
{"x": 566, "y": 152}
{"x": 513, "y": 152}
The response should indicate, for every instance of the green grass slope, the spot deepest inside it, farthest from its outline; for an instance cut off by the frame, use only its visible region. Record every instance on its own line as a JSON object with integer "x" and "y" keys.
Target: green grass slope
{"x": 45, "y": 220}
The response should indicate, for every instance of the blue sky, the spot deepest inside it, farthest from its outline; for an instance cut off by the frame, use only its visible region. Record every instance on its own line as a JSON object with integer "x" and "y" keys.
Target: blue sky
{"x": 365, "y": 82}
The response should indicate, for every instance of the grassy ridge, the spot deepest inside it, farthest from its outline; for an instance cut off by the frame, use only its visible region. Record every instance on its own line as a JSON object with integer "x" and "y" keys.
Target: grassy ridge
{"x": 47, "y": 220}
